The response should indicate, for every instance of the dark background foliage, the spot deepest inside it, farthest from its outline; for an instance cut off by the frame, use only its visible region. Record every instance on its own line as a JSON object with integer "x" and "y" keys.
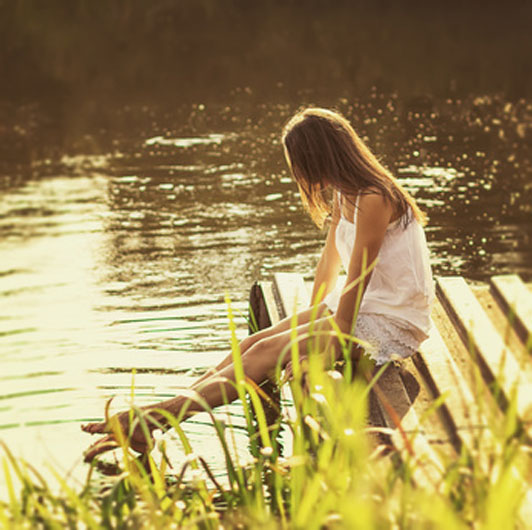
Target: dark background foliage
{"x": 188, "y": 48}
{"x": 67, "y": 65}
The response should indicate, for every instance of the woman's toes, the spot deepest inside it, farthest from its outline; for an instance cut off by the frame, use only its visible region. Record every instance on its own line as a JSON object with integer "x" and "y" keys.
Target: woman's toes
{"x": 94, "y": 428}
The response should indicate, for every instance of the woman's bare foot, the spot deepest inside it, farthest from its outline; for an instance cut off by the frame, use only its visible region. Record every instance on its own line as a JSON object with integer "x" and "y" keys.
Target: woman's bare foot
{"x": 138, "y": 440}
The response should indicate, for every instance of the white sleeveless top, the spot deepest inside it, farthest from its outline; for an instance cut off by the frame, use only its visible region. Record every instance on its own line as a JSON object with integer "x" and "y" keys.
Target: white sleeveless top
{"x": 401, "y": 285}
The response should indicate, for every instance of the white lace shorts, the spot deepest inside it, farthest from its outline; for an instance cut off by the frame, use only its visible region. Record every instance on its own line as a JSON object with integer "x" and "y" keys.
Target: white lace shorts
{"x": 385, "y": 338}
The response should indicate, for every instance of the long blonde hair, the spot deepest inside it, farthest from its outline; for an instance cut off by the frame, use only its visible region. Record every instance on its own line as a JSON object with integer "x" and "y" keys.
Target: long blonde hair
{"x": 322, "y": 149}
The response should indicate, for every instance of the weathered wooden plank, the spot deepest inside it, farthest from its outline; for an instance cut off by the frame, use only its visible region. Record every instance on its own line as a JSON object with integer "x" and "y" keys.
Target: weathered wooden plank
{"x": 465, "y": 416}
{"x": 516, "y": 301}
{"x": 405, "y": 432}
{"x": 436, "y": 430}
{"x": 501, "y": 323}
{"x": 496, "y": 359}
{"x": 467, "y": 419}
{"x": 461, "y": 356}
{"x": 291, "y": 291}
{"x": 271, "y": 306}
{"x": 460, "y": 410}
{"x": 466, "y": 411}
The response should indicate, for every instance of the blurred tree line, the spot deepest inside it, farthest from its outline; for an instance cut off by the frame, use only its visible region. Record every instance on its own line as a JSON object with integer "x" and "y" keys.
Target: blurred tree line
{"x": 186, "y": 49}
{"x": 65, "y": 65}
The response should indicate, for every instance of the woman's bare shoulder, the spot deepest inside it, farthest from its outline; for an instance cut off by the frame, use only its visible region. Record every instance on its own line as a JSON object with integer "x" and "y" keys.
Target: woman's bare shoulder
{"x": 375, "y": 199}
{"x": 375, "y": 207}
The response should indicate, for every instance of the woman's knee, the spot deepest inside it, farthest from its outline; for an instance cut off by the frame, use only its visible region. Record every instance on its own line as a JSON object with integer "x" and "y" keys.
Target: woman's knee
{"x": 251, "y": 340}
{"x": 246, "y": 343}
{"x": 264, "y": 351}
{"x": 271, "y": 353}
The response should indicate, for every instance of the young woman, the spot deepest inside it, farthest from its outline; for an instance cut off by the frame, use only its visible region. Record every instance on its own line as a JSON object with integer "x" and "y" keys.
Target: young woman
{"x": 375, "y": 223}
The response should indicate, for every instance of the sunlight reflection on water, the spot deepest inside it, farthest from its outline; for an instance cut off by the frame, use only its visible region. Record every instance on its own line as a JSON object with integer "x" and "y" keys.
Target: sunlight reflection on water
{"x": 70, "y": 337}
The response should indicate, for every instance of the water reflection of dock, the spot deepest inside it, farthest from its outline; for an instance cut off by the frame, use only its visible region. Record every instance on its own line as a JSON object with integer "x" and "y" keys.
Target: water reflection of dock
{"x": 445, "y": 400}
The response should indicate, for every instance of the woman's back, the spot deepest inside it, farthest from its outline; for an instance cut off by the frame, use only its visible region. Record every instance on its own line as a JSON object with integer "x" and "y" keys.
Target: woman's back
{"x": 401, "y": 282}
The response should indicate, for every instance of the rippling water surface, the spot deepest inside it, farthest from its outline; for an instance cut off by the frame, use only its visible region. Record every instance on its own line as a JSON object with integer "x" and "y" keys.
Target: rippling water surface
{"x": 121, "y": 259}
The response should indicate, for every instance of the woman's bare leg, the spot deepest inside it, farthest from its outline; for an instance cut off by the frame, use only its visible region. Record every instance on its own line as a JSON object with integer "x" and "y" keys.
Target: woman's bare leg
{"x": 303, "y": 317}
{"x": 259, "y": 362}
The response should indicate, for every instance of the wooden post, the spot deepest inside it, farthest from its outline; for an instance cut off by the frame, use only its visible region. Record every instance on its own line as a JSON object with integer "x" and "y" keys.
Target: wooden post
{"x": 260, "y": 317}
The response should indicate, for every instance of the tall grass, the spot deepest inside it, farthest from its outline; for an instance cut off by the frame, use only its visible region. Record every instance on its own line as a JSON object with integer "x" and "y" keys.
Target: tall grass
{"x": 337, "y": 475}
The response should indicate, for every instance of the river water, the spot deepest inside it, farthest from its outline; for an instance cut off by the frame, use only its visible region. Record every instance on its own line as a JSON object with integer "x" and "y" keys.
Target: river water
{"x": 120, "y": 256}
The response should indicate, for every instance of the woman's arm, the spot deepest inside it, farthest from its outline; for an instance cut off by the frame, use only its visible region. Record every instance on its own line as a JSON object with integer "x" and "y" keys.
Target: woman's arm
{"x": 373, "y": 216}
{"x": 329, "y": 263}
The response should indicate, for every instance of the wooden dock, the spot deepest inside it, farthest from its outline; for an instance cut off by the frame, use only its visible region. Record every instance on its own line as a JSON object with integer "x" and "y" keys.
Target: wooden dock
{"x": 477, "y": 359}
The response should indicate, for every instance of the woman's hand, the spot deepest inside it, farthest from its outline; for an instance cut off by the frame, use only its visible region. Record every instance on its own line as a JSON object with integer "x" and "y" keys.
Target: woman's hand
{"x": 303, "y": 368}
{"x": 139, "y": 440}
